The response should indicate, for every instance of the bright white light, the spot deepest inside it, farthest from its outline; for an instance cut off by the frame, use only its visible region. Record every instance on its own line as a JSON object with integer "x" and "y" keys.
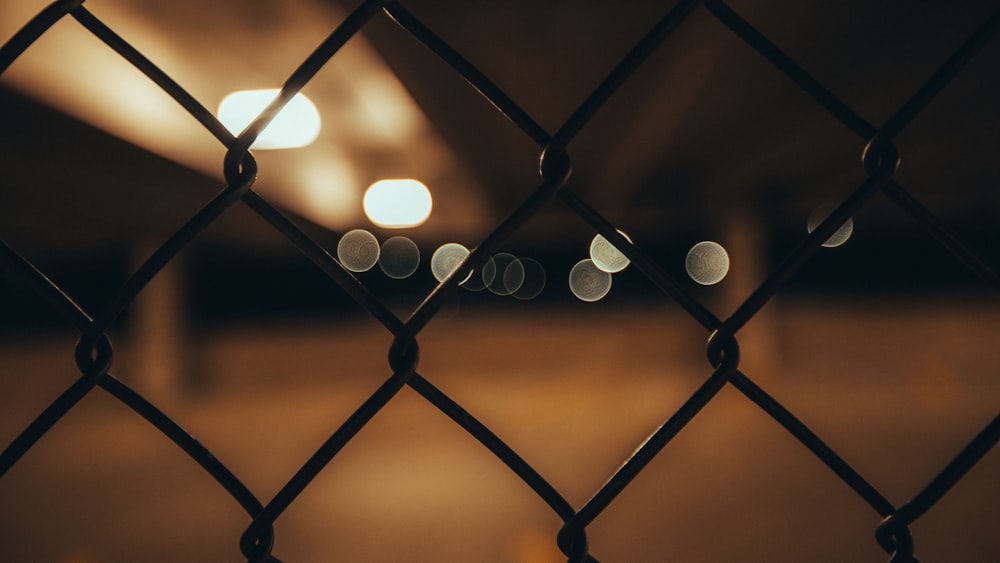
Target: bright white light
{"x": 841, "y": 235}
{"x": 397, "y": 204}
{"x": 606, "y": 256}
{"x": 588, "y": 282}
{"x": 296, "y": 125}
{"x": 707, "y": 262}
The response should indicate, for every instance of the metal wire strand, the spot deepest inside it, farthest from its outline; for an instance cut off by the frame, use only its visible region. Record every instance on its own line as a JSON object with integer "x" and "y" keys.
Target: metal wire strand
{"x": 74, "y": 313}
{"x": 34, "y": 29}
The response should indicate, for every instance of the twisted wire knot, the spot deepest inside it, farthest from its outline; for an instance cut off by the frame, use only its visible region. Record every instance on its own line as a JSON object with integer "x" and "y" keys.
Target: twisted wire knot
{"x": 572, "y": 541}
{"x": 239, "y": 167}
{"x": 404, "y": 354}
{"x": 880, "y": 158}
{"x": 895, "y": 538}
{"x": 554, "y": 165}
{"x": 257, "y": 542}
{"x": 722, "y": 350}
{"x": 94, "y": 355}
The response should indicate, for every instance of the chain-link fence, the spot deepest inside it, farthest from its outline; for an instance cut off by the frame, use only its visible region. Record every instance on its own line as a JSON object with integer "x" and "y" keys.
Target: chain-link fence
{"x": 880, "y": 158}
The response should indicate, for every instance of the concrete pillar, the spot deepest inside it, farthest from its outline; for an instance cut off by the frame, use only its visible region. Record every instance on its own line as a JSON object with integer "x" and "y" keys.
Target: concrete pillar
{"x": 760, "y": 356}
{"x": 158, "y": 334}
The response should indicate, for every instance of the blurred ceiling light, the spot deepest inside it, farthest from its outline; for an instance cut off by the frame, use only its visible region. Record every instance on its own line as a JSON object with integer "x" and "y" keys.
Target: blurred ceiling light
{"x": 397, "y": 204}
{"x": 377, "y": 118}
{"x": 296, "y": 125}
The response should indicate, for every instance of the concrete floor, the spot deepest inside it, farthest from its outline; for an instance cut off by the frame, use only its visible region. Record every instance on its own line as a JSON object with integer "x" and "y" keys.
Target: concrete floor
{"x": 895, "y": 390}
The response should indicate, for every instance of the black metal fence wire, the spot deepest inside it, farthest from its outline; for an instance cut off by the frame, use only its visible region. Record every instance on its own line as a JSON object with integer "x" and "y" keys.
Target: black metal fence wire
{"x": 880, "y": 158}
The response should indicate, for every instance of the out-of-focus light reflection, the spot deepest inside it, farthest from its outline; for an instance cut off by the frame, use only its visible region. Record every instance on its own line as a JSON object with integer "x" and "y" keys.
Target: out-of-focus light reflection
{"x": 478, "y": 280}
{"x": 606, "y": 256}
{"x": 399, "y": 257}
{"x": 397, "y": 204}
{"x": 534, "y": 279}
{"x": 707, "y": 262}
{"x": 588, "y": 282}
{"x": 840, "y": 236}
{"x": 358, "y": 250}
{"x": 509, "y": 274}
{"x": 296, "y": 125}
{"x": 446, "y": 259}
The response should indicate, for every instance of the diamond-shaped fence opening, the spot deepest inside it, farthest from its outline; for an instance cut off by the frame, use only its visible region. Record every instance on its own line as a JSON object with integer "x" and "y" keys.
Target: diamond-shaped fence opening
{"x": 777, "y": 352}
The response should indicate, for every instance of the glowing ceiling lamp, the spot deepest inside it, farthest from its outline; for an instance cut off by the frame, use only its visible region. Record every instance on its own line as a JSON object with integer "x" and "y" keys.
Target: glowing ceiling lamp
{"x": 296, "y": 125}
{"x": 397, "y": 204}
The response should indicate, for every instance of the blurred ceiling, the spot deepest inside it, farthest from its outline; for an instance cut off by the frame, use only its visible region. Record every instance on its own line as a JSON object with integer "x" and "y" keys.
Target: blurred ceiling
{"x": 704, "y": 129}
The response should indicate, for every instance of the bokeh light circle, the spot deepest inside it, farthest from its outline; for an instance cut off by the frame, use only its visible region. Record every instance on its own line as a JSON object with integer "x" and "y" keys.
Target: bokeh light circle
{"x": 606, "y": 256}
{"x": 534, "y": 280}
{"x": 513, "y": 276}
{"x": 509, "y": 274}
{"x": 588, "y": 282}
{"x": 358, "y": 250}
{"x": 839, "y": 236}
{"x": 707, "y": 262}
{"x": 399, "y": 257}
{"x": 446, "y": 259}
{"x": 479, "y": 279}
